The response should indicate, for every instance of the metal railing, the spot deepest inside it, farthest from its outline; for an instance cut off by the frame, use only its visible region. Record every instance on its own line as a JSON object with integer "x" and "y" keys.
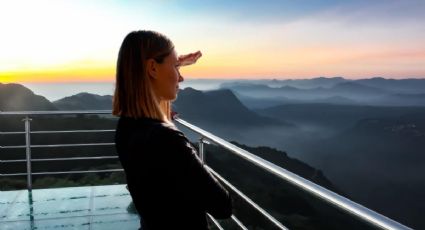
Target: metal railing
{"x": 28, "y": 146}
{"x": 344, "y": 204}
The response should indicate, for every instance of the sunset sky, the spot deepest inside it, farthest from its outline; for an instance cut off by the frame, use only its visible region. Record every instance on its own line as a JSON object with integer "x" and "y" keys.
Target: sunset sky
{"x": 65, "y": 41}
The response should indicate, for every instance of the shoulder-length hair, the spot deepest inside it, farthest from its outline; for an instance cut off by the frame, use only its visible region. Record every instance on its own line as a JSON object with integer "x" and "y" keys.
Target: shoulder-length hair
{"x": 134, "y": 96}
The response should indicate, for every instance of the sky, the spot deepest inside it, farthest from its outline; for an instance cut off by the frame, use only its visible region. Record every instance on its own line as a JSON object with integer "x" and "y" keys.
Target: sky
{"x": 78, "y": 41}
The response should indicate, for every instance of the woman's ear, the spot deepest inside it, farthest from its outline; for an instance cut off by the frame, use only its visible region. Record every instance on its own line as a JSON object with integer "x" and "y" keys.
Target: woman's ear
{"x": 151, "y": 68}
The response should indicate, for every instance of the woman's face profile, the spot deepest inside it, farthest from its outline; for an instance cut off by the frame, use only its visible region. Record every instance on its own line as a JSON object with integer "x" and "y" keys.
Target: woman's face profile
{"x": 166, "y": 77}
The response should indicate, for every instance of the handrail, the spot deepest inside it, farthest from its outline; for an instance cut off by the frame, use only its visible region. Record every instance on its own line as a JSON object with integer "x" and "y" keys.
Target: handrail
{"x": 248, "y": 200}
{"x": 62, "y": 112}
{"x": 328, "y": 196}
{"x": 339, "y": 201}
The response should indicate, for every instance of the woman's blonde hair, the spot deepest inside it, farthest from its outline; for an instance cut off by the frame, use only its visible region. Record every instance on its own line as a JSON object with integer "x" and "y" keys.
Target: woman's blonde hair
{"x": 134, "y": 96}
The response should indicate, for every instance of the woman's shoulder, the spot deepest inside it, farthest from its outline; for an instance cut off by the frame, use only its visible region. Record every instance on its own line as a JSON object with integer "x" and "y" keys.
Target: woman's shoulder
{"x": 167, "y": 130}
{"x": 150, "y": 132}
{"x": 145, "y": 121}
{"x": 147, "y": 126}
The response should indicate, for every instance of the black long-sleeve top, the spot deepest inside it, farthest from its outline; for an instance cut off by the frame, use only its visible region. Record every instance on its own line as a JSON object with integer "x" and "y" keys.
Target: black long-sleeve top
{"x": 167, "y": 181}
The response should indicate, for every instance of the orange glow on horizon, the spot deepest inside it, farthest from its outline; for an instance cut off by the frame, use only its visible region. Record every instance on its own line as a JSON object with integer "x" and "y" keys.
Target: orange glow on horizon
{"x": 308, "y": 62}
{"x": 211, "y": 72}
{"x": 59, "y": 75}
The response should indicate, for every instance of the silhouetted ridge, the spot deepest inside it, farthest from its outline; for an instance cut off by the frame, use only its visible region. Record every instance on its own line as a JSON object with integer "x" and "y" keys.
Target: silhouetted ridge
{"x": 85, "y": 101}
{"x": 217, "y": 106}
{"x": 16, "y": 97}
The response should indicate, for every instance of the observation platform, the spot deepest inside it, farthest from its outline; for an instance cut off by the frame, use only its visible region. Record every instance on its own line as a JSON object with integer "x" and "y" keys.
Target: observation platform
{"x": 110, "y": 206}
{"x": 90, "y": 207}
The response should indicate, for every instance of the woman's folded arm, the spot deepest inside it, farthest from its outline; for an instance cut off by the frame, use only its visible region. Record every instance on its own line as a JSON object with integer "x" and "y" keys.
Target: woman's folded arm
{"x": 194, "y": 182}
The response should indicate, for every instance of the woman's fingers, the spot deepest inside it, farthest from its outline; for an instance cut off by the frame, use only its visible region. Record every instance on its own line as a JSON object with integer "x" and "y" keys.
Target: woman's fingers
{"x": 188, "y": 59}
{"x": 191, "y": 55}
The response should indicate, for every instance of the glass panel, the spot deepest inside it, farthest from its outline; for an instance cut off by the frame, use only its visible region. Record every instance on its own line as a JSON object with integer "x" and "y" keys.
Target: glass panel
{"x": 99, "y": 207}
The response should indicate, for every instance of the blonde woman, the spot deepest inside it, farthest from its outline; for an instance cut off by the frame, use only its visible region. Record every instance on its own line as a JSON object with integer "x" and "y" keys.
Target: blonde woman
{"x": 167, "y": 181}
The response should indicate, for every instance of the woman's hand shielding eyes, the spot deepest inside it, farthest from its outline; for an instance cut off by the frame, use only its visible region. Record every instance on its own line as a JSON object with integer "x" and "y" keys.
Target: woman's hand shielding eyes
{"x": 189, "y": 59}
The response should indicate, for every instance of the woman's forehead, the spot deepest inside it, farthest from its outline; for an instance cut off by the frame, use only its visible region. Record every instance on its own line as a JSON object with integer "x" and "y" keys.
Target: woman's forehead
{"x": 174, "y": 54}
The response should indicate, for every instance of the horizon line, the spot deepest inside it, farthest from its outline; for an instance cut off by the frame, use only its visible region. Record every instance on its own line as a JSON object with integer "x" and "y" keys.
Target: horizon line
{"x": 224, "y": 79}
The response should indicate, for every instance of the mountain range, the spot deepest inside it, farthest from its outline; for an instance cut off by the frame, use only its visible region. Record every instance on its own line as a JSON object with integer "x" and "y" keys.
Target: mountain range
{"x": 408, "y": 92}
{"x": 356, "y": 132}
{"x": 216, "y": 107}
{"x": 412, "y": 85}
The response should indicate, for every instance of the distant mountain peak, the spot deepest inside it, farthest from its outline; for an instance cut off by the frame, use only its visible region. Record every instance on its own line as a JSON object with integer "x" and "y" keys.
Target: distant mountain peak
{"x": 217, "y": 106}
{"x": 190, "y": 89}
{"x": 84, "y": 101}
{"x": 329, "y": 78}
{"x": 16, "y": 97}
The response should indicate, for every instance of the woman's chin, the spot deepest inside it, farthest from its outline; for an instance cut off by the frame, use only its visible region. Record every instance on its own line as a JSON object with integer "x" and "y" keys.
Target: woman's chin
{"x": 172, "y": 97}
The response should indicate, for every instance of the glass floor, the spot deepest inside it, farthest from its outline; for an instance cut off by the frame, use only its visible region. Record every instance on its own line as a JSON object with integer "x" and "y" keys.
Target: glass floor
{"x": 92, "y": 207}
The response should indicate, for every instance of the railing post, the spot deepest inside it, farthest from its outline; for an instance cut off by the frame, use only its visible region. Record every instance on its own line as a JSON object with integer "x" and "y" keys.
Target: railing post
{"x": 27, "y": 121}
{"x": 201, "y": 149}
{"x": 201, "y": 143}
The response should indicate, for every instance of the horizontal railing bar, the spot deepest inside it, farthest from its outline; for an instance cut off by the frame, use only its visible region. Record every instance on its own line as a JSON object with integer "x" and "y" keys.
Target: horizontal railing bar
{"x": 7, "y": 133}
{"x": 54, "y": 218}
{"x": 77, "y": 172}
{"x": 71, "y": 145}
{"x": 75, "y": 158}
{"x": 54, "y": 146}
{"x": 70, "y": 112}
{"x": 247, "y": 199}
{"x": 61, "y": 159}
{"x": 62, "y": 131}
{"x": 12, "y": 161}
{"x": 13, "y": 147}
{"x": 238, "y": 222}
{"x": 328, "y": 196}
{"x": 64, "y": 172}
{"x": 13, "y": 174}
{"x": 215, "y": 222}
{"x": 74, "y": 131}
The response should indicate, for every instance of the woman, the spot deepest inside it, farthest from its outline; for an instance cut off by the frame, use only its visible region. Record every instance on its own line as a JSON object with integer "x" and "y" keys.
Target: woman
{"x": 167, "y": 181}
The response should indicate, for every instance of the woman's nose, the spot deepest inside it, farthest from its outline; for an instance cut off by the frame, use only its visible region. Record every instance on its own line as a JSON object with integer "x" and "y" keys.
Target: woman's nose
{"x": 181, "y": 78}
